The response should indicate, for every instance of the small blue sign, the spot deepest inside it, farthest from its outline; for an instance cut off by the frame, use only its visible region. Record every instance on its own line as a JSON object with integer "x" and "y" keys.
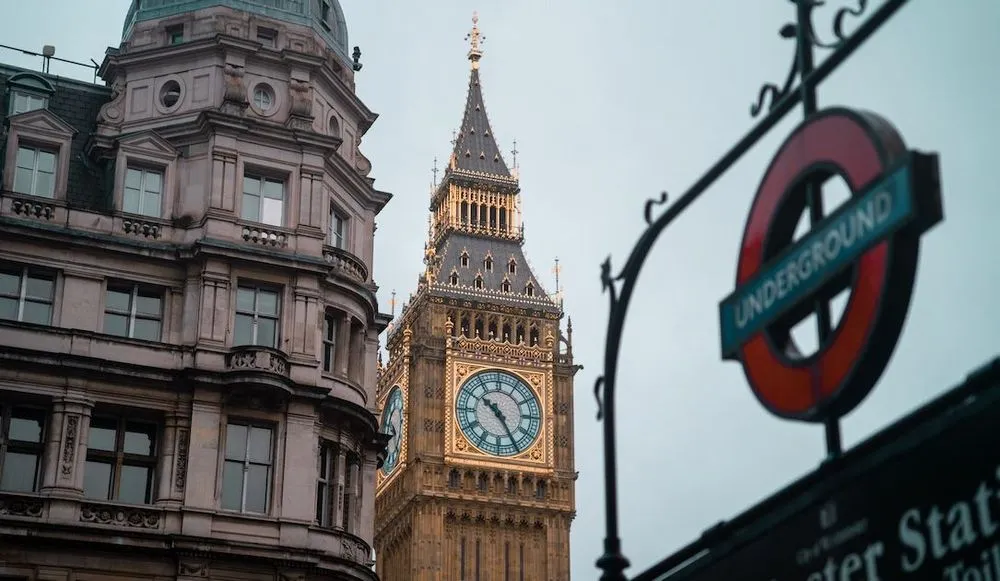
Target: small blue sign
{"x": 804, "y": 267}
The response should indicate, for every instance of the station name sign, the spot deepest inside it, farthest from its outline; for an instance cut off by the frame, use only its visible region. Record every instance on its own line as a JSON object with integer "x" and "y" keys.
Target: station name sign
{"x": 932, "y": 512}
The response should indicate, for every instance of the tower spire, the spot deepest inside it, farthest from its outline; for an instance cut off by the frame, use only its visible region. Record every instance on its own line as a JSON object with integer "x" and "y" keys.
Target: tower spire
{"x": 475, "y": 39}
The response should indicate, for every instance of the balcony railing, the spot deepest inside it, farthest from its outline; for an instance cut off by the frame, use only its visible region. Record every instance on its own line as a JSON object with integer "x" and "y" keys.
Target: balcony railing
{"x": 346, "y": 264}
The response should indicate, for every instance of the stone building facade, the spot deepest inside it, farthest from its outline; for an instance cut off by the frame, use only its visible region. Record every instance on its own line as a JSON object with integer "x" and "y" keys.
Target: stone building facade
{"x": 477, "y": 394}
{"x": 188, "y": 321}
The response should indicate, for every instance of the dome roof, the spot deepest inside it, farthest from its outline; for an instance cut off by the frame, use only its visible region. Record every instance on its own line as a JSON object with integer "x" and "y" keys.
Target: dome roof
{"x": 326, "y": 17}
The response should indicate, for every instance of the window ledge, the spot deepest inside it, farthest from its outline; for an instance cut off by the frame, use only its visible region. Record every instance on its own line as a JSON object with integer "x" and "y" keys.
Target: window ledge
{"x": 29, "y": 206}
{"x": 139, "y": 225}
{"x": 121, "y": 515}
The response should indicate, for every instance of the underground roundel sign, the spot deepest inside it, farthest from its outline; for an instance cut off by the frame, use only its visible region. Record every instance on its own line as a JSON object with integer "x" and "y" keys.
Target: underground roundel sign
{"x": 868, "y": 246}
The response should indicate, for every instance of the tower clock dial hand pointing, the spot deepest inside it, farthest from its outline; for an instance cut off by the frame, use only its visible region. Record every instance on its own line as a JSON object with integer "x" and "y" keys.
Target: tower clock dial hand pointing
{"x": 503, "y": 420}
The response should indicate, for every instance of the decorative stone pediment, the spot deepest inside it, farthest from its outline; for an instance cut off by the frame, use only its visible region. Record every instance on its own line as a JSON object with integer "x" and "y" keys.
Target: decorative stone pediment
{"x": 43, "y": 122}
{"x": 148, "y": 143}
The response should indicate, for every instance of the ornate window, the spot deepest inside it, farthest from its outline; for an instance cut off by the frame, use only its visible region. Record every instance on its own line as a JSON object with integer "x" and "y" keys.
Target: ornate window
{"x": 505, "y": 285}
{"x": 143, "y": 192}
{"x": 35, "y": 172}
{"x": 263, "y": 200}
{"x": 512, "y": 266}
{"x": 26, "y": 294}
{"x": 38, "y": 151}
{"x": 247, "y": 469}
{"x": 22, "y": 431}
{"x": 258, "y": 316}
{"x": 326, "y": 488}
{"x": 529, "y": 289}
{"x": 479, "y": 281}
{"x": 465, "y": 258}
{"x": 121, "y": 458}
{"x": 488, "y": 264}
{"x": 453, "y": 279}
{"x": 338, "y": 228}
{"x": 330, "y": 327}
{"x": 134, "y": 311}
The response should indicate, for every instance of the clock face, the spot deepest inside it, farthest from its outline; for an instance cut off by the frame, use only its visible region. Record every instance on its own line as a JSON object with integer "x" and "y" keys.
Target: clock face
{"x": 498, "y": 413}
{"x": 392, "y": 424}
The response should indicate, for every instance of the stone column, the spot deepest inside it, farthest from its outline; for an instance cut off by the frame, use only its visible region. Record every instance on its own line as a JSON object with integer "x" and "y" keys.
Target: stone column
{"x": 173, "y": 460}
{"x": 66, "y": 446}
{"x": 352, "y": 493}
{"x": 223, "y": 195}
{"x": 338, "y": 502}
{"x": 366, "y": 528}
{"x": 357, "y": 354}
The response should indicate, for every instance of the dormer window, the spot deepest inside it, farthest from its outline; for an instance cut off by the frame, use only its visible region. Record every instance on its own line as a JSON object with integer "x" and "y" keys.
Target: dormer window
{"x": 453, "y": 279}
{"x": 465, "y": 259}
{"x": 488, "y": 264}
{"x": 512, "y": 267}
{"x": 479, "y": 281}
{"x": 505, "y": 286}
{"x": 529, "y": 290}
{"x": 27, "y": 92}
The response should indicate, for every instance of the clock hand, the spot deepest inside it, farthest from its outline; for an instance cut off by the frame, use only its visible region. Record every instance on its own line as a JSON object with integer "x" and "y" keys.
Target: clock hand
{"x": 503, "y": 420}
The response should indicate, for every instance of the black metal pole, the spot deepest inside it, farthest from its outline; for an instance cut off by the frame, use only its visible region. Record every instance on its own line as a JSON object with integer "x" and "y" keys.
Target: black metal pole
{"x": 814, "y": 194}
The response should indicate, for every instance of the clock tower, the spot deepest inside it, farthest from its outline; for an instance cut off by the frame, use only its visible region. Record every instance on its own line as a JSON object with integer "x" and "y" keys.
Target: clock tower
{"x": 477, "y": 392}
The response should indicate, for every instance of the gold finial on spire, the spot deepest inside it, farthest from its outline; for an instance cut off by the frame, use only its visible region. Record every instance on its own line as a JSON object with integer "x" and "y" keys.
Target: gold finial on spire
{"x": 475, "y": 39}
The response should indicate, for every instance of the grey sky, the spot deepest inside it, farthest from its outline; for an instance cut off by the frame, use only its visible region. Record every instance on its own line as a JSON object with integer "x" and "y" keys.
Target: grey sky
{"x": 611, "y": 102}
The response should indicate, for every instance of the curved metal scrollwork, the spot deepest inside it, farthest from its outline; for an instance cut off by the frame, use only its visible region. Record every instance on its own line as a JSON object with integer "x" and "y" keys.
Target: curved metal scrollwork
{"x": 770, "y": 94}
{"x": 778, "y": 101}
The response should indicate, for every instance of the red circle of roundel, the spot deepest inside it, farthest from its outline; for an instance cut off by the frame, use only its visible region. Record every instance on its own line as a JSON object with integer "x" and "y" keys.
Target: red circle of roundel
{"x": 861, "y": 146}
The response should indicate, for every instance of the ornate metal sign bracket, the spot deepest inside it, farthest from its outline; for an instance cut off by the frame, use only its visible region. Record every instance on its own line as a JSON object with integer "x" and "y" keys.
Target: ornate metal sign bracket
{"x": 778, "y": 102}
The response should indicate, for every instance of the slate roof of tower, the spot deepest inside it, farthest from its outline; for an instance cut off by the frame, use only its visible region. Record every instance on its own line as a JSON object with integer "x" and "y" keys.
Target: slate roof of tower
{"x": 476, "y": 148}
{"x": 502, "y": 251}
{"x": 77, "y": 103}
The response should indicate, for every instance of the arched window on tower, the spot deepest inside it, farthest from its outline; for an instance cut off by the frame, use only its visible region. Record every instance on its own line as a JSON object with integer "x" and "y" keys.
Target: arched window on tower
{"x": 453, "y": 279}
{"x": 488, "y": 264}
{"x": 492, "y": 330}
{"x": 506, "y": 332}
{"x": 493, "y": 217}
{"x": 503, "y": 219}
{"x": 529, "y": 289}
{"x": 454, "y": 479}
{"x": 479, "y": 281}
{"x": 465, "y": 214}
{"x": 520, "y": 334}
{"x": 505, "y": 286}
{"x": 484, "y": 483}
{"x": 483, "y": 215}
{"x": 465, "y": 326}
{"x": 512, "y": 485}
{"x": 465, "y": 258}
{"x": 474, "y": 213}
{"x": 533, "y": 336}
{"x": 540, "y": 490}
{"x": 512, "y": 266}
{"x": 479, "y": 328}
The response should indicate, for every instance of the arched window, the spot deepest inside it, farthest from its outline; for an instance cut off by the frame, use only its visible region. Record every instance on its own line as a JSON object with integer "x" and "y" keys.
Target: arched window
{"x": 505, "y": 286}
{"x": 465, "y": 256}
{"x": 454, "y": 478}
{"x": 512, "y": 266}
{"x": 520, "y": 334}
{"x": 493, "y": 330}
{"x": 453, "y": 279}
{"x": 506, "y": 332}
{"x": 479, "y": 281}
{"x": 540, "y": 490}
{"x": 484, "y": 483}
{"x": 533, "y": 337}
{"x": 529, "y": 290}
{"x": 479, "y": 328}
{"x": 488, "y": 264}
{"x": 465, "y": 327}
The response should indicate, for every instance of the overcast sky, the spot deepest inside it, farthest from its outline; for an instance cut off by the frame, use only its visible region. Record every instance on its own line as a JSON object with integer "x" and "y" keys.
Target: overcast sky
{"x": 610, "y": 103}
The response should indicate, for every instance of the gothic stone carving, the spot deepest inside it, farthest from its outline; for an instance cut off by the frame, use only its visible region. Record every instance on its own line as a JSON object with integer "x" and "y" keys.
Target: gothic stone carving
{"x": 69, "y": 446}
{"x": 15, "y": 506}
{"x": 180, "y": 470}
{"x": 234, "y": 97}
{"x": 192, "y": 569}
{"x": 120, "y": 516}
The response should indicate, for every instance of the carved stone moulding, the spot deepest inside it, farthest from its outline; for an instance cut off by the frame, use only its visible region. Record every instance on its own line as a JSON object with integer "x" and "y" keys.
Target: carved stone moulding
{"x": 15, "y": 505}
{"x": 33, "y": 209}
{"x": 129, "y": 517}
{"x": 265, "y": 236}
